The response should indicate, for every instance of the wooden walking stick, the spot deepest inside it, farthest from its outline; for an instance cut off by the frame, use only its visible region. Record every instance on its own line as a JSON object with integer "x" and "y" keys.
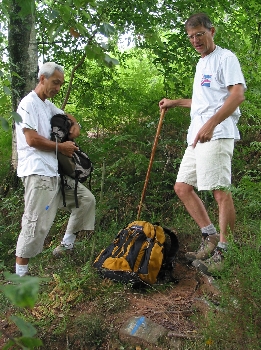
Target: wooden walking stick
{"x": 151, "y": 160}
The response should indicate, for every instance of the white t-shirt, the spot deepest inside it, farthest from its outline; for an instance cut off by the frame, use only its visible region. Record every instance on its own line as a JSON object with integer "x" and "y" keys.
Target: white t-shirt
{"x": 214, "y": 73}
{"x": 36, "y": 114}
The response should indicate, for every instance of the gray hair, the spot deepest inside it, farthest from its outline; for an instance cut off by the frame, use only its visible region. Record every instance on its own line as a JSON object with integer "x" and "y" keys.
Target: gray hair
{"x": 48, "y": 69}
{"x": 198, "y": 19}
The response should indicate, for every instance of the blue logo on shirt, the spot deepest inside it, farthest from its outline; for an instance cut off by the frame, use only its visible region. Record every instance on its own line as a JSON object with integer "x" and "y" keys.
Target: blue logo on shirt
{"x": 206, "y": 80}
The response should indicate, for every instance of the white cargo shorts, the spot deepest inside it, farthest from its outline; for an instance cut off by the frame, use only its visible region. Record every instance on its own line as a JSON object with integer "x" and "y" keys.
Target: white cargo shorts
{"x": 208, "y": 165}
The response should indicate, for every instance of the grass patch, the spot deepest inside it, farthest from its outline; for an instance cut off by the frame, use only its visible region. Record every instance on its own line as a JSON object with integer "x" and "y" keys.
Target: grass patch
{"x": 88, "y": 331}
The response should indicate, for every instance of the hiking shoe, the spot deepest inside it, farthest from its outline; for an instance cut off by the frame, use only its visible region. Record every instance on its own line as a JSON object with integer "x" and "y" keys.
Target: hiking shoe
{"x": 212, "y": 265}
{"x": 205, "y": 250}
{"x": 62, "y": 250}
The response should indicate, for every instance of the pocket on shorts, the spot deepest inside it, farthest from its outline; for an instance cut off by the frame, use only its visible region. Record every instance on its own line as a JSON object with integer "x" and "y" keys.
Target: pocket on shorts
{"x": 46, "y": 183}
{"x": 29, "y": 222}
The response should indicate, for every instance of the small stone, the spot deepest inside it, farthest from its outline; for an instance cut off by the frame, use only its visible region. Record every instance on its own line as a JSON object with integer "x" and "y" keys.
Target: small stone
{"x": 140, "y": 327}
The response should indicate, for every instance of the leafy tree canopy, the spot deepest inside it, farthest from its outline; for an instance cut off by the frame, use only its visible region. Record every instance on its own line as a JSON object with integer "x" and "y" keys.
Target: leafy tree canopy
{"x": 75, "y": 31}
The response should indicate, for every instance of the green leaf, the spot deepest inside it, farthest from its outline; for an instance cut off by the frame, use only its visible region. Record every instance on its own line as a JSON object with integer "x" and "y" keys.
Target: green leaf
{"x": 15, "y": 74}
{"x": 17, "y": 117}
{"x": 9, "y": 345}
{"x": 81, "y": 29}
{"x": 104, "y": 45}
{"x": 31, "y": 343}
{"x": 27, "y": 7}
{"x": 154, "y": 38}
{"x": 24, "y": 293}
{"x": 110, "y": 61}
{"x": 89, "y": 52}
{"x": 86, "y": 15}
{"x": 3, "y": 99}
{"x": 26, "y": 328}
{"x": 51, "y": 29}
{"x": 53, "y": 14}
{"x": 79, "y": 3}
{"x": 106, "y": 29}
{"x": 7, "y": 91}
{"x": 5, "y": 124}
{"x": 57, "y": 31}
{"x": 25, "y": 343}
{"x": 66, "y": 13}
{"x": 94, "y": 52}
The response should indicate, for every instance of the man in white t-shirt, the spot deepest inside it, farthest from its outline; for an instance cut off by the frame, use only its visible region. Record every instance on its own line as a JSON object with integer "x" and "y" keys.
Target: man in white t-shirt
{"x": 38, "y": 170}
{"x": 218, "y": 90}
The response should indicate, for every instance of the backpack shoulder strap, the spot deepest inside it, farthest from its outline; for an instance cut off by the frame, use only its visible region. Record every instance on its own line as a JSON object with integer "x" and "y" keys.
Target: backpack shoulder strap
{"x": 174, "y": 245}
{"x": 62, "y": 190}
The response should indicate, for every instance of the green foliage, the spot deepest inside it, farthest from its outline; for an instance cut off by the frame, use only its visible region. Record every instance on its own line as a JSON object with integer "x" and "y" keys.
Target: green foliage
{"x": 23, "y": 342}
{"x": 118, "y": 108}
{"x": 10, "y": 218}
{"x": 5, "y": 94}
{"x": 23, "y": 293}
{"x": 127, "y": 153}
{"x": 5, "y": 151}
{"x": 248, "y": 192}
{"x": 129, "y": 92}
{"x": 26, "y": 328}
{"x": 89, "y": 331}
{"x": 239, "y": 306}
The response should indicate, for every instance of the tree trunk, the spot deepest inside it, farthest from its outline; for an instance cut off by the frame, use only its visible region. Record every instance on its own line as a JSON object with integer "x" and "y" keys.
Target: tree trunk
{"x": 23, "y": 58}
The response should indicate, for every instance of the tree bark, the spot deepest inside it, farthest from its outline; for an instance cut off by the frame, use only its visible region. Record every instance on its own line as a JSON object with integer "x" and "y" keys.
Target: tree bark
{"x": 23, "y": 58}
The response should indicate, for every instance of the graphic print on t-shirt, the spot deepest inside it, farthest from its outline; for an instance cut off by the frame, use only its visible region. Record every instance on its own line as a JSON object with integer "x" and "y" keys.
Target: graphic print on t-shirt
{"x": 206, "y": 80}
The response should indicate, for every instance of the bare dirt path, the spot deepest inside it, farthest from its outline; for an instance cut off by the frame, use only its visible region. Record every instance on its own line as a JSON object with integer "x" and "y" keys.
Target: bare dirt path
{"x": 173, "y": 308}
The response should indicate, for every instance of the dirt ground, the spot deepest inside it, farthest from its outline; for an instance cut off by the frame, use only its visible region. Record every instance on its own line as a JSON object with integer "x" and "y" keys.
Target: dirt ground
{"x": 172, "y": 308}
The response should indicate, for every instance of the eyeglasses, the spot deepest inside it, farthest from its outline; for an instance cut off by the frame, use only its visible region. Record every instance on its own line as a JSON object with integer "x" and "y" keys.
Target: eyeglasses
{"x": 197, "y": 36}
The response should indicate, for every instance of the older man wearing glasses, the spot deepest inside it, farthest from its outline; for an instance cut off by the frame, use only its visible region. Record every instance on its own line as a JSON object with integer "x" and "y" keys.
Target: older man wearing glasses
{"x": 218, "y": 90}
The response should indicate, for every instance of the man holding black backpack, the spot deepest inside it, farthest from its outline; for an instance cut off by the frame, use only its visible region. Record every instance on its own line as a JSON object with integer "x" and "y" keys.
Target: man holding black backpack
{"x": 38, "y": 169}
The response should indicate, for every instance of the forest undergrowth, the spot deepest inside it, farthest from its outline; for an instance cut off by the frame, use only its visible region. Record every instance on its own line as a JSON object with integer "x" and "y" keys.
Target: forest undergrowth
{"x": 69, "y": 286}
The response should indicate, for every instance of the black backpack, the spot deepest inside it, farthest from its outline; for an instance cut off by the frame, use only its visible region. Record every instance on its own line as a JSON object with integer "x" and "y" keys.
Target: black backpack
{"x": 140, "y": 254}
{"x": 79, "y": 167}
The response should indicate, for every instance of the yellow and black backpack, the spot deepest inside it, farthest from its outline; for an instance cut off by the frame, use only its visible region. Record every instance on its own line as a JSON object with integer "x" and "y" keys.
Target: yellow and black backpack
{"x": 138, "y": 254}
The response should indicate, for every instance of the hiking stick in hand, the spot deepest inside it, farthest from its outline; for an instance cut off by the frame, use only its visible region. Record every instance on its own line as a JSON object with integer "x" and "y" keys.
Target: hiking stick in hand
{"x": 151, "y": 160}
